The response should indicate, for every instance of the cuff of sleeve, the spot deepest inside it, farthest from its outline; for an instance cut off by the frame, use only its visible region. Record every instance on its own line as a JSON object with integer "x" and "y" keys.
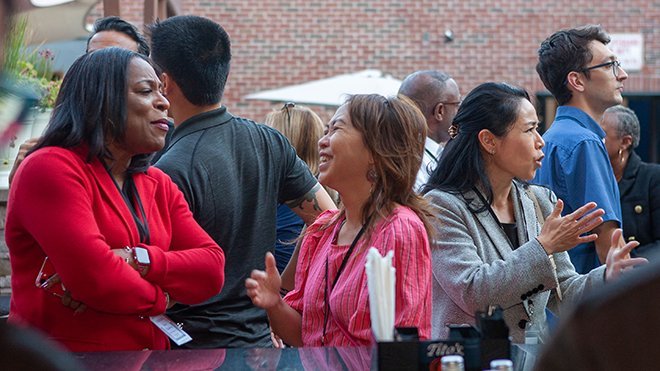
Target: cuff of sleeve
{"x": 160, "y": 306}
{"x": 541, "y": 263}
{"x": 157, "y": 266}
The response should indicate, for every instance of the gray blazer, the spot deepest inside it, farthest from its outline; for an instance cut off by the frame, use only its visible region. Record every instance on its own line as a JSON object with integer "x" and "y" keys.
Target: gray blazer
{"x": 474, "y": 265}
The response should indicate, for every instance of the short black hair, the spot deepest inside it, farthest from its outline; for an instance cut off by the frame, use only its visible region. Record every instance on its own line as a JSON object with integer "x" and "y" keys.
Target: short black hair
{"x": 195, "y": 52}
{"x": 114, "y": 23}
{"x": 491, "y": 105}
{"x": 91, "y": 105}
{"x": 566, "y": 51}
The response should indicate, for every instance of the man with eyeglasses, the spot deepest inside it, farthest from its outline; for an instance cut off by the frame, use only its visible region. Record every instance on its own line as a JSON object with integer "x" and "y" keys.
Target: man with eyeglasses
{"x": 585, "y": 77}
{"x": 437, "y": 96}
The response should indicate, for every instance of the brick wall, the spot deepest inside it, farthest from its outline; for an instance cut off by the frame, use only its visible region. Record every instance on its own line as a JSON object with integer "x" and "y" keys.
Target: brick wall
{"x": 277, "y": 43}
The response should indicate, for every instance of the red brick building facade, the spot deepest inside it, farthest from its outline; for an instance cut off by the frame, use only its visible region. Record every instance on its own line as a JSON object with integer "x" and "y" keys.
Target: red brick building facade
{"x": 277, "y": 43}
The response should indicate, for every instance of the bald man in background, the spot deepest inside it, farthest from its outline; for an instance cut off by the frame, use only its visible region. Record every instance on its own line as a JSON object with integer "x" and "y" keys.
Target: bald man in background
{"x": 438, "y": 97}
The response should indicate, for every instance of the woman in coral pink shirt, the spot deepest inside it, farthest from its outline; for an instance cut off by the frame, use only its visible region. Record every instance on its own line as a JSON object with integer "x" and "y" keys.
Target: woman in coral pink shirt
{"x": 370, "y": 155}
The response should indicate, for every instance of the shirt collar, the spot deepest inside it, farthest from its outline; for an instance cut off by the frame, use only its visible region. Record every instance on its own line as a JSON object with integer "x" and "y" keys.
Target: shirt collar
{"x": 582, "y": 118}
{"x": 201, "y": 121}
{"x": 431, "y": 145}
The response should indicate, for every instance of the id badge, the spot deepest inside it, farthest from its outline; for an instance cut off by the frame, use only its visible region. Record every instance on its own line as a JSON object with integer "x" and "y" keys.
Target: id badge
{"x": 166, "y": 325}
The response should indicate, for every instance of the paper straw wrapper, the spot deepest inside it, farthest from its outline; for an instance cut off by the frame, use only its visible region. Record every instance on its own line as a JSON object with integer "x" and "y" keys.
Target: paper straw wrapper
{"x": 381, "y": 281}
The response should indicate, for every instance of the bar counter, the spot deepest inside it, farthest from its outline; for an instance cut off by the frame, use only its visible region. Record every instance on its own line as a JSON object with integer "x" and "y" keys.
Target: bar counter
{"x": 258, "y": 358}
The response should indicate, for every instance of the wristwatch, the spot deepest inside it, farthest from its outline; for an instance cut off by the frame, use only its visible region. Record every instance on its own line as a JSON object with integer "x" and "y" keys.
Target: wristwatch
{"x": 141, "y": 258}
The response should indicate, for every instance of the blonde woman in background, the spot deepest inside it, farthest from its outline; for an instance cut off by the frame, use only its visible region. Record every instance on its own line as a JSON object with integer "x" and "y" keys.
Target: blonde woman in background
{"x": 303, "y": 127}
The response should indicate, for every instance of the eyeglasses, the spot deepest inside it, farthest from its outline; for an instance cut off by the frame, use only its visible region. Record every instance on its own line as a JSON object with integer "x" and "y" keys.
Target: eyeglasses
{"x": 458, "y": 102}
{"x": 286, "y": 107}
{"x": 616, "y": 67}
{"x": 50, "y": 281}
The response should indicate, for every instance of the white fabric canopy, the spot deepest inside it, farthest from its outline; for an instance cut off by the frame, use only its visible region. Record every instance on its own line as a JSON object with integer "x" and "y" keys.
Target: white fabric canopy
{"x": 60, "y": 22}
{"x": 332, "y": 91}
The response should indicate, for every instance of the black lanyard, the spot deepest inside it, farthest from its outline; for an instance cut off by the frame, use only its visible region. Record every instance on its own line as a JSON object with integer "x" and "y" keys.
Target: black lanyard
{"x": 128, "y": 192}
{"x": 435, "y": 159}
{"x": 326, "y": 294}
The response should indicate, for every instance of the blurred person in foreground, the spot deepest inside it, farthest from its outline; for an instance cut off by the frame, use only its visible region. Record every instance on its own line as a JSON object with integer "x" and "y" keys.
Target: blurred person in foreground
{"x": 639, "y": 182}
{"x": 22, "y": 348}
{"x": 370, "y": 155}
{"x": 499, "y": 240}
{"x": 614, "y": 328}
{"x": 99, "y": 241}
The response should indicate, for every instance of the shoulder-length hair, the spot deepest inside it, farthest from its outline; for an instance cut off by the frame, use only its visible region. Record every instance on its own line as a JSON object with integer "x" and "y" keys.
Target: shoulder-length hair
{"x": 303, "y": 127}
{"x": 91, "y": 106}
{"x": 493, "y": 106}
{"x": 394, "y": 131}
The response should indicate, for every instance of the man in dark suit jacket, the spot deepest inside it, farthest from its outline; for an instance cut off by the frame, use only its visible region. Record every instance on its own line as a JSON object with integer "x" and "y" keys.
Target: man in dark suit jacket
{"x": 615, "y": 328}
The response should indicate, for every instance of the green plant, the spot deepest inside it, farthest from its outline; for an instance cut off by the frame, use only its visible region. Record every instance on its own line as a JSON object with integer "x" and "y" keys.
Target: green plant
{"x": 33, "y": 68}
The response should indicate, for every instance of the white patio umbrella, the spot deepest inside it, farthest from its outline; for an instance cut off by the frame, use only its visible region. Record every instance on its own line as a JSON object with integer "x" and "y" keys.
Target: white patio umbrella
{"x": 55, "y": 20}
{"x": 332, "y": 91}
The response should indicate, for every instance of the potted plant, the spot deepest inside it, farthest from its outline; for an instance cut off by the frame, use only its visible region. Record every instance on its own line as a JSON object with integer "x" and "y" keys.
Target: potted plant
{"x": 34, "y": 70}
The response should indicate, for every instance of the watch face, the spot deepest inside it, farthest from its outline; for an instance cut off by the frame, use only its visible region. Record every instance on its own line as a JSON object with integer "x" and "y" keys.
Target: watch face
{"x": 142, "y": 256}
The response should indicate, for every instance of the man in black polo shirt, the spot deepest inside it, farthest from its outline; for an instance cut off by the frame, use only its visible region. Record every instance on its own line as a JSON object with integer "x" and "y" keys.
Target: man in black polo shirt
{"x": 233, "y": 173}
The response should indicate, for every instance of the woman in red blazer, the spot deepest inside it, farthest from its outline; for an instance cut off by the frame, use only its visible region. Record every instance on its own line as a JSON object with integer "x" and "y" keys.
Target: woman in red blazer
{"x": 99, "y": 241}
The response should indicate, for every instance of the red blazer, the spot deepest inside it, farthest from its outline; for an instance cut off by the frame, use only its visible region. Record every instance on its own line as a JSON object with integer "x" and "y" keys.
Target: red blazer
{"x": 62, "y": 207}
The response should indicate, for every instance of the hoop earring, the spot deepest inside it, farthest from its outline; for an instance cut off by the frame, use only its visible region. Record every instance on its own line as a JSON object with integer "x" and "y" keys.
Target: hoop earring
{"x": 372, "y": 175}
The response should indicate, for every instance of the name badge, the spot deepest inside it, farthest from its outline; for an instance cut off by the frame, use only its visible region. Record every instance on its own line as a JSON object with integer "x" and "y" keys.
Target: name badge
{"x": 166, "y": 325}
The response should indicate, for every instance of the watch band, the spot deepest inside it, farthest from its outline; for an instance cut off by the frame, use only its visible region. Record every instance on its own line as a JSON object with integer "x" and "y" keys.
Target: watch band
{"x": 142, "y": 261}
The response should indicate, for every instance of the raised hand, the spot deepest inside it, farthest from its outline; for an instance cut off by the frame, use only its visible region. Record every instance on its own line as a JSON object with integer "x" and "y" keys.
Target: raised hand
{"x": 561, "y": 233}
{"x": 263, "y": 287}
{"x": 618, "y": 257}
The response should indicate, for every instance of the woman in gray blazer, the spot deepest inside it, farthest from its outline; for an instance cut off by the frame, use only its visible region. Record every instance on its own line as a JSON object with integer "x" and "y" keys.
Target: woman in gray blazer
{"x": 501, "y": 241}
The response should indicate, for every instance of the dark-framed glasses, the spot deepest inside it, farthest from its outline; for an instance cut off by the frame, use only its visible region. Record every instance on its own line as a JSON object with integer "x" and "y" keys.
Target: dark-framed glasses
{"x": 458, "y": 102}
{"x": 615, "y": 65}
{"x": 286, "y": 107}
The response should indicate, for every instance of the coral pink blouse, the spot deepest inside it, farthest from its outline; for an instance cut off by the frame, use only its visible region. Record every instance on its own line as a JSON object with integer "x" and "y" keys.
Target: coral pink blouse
{"x": 348, "y": 320}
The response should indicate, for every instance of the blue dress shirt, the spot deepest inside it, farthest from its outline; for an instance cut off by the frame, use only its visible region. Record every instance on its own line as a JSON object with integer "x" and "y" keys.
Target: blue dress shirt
{"x": 577, "y": 168}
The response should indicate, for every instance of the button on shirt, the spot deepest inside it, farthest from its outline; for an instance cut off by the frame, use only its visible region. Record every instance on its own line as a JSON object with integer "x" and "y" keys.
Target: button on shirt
{"x": 576, "y": 167}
